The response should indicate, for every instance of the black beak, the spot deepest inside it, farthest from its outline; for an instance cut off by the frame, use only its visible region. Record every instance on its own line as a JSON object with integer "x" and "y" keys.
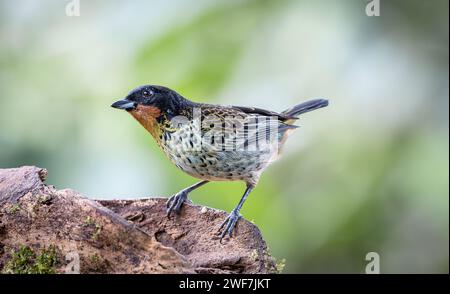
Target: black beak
{"x": 124, "y": 104}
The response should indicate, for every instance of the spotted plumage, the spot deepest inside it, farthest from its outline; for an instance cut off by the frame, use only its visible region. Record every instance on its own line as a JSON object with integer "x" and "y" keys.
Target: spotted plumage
{"x": 213, "y": 142}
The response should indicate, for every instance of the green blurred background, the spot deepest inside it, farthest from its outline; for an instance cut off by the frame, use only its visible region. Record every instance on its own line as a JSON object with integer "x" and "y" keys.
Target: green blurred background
{"x": 368, "y": 173}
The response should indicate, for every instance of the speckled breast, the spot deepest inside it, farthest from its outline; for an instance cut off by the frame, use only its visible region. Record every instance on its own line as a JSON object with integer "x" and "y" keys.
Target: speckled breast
{"x": 189, "y": 151}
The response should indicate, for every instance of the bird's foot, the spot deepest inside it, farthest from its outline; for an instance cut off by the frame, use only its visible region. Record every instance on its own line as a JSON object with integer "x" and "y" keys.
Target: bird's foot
{"x": 174, "y": 203}
{"x": 229, "y": 224}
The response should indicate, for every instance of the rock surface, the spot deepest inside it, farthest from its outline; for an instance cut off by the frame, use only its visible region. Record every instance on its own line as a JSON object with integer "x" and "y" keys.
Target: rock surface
{"x": 115, "y": 236}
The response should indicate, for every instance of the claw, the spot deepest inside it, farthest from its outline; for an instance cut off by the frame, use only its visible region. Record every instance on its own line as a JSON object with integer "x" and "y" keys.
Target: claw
{"x": 169, "y": 201}
{"x": 174, "y": 203}
{"x": 230, "y": 223}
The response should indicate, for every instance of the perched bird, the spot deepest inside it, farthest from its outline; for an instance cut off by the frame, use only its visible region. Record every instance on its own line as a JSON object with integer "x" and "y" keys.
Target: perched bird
{"x": 213, "y": 142}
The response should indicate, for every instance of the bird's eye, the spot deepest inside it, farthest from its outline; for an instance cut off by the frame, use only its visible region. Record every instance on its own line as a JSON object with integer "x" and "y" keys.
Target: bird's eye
{"x": 147, "y": 93}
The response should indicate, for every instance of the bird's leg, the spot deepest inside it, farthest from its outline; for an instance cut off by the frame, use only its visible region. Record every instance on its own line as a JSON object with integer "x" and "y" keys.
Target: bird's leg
{"x": 174, "y": 203}
{"x": 230, "y": 222}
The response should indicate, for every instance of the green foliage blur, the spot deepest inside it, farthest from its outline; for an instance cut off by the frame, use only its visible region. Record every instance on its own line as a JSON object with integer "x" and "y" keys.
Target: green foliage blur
{"x": 367, "y": 174}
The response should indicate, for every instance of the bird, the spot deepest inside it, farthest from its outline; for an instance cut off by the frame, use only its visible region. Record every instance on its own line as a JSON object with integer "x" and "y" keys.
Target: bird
{"x": 213, "y": 142}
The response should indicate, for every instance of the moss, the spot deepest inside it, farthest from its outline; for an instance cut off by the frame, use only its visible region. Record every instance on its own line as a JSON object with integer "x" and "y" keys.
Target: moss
{"x": 26, "y": 261}
{"x": 254, "y": 255}
{"x": 14, "y": 208}
{"x": 280, "y": 265}
{"x": 95, "y": 259}
{"x": 96, "y": 264}
{"x": 20, "y": 261}
{"x": 98, "y": 230}
{"x": 89, "y": 221}
{"x": 271, "y": 264}
{"x": 45, "y": 199}
{"x": 46, "y": 261}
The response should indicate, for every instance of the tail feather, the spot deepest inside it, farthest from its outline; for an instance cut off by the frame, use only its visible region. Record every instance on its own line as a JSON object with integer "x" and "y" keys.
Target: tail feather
{"x": 292, "y": 114}
{"x": 305, "y": 107}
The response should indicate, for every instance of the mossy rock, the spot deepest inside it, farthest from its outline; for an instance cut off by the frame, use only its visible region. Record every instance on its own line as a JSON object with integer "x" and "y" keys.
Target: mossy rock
{"x": 26, "y": 261}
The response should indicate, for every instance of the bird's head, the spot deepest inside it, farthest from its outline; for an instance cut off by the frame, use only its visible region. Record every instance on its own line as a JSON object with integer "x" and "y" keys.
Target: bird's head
{"x": 147, "y": 103}
{"x": 151, "y": 98}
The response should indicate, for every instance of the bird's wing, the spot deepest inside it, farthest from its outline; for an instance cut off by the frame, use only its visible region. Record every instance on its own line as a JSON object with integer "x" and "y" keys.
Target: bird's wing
{"x": 231, "y": 128}
{"x": 263, "y": 112}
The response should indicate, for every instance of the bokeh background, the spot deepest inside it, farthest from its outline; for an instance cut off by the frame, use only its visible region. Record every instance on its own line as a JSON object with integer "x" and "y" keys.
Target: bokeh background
{"x": 368, "y": 173}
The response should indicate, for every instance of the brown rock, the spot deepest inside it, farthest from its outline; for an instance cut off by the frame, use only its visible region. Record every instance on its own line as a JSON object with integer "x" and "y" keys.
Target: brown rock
{"x": 120, "y": 236}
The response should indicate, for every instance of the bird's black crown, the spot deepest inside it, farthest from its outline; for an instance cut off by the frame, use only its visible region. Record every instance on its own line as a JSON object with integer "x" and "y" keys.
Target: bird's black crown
{"x": 161, "y": 97}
